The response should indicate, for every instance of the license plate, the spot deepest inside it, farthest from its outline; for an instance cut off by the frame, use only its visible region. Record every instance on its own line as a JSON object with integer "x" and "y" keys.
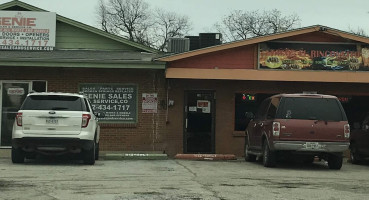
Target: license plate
{"x": 313, "y": 145}
{"x": 51, "y": 121}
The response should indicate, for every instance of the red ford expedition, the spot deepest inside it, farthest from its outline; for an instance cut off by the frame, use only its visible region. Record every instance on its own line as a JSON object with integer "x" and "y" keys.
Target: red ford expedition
{"x": 301, "y": 125}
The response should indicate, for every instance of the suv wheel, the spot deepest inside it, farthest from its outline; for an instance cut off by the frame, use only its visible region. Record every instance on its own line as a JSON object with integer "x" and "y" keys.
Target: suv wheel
{"x": 353, "y": 155}
{"x": 17, "y": 155}
{"x": 89, "y": 155}
{"x": 248, "y": 157}
{"x": 269, "y": 157}
{"x": 335, "y": 161}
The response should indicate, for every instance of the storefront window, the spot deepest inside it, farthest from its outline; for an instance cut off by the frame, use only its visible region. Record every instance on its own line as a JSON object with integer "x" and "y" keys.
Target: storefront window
{"x": 243, "y": 103}
{"x": 246, "y": 102}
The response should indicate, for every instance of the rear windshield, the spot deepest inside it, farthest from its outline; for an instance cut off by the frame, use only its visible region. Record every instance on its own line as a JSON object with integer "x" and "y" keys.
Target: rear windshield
{"x": 327, "y": 109}
{"x": 52, "y": 102}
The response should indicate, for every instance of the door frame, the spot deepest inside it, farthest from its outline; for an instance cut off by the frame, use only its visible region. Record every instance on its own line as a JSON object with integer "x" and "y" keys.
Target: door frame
{"x": 29, "y": 82}
{"x": 213, "y": 115}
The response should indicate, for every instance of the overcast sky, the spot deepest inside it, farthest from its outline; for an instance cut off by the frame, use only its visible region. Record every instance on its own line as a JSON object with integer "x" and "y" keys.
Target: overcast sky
{"x": 339, "y": 14}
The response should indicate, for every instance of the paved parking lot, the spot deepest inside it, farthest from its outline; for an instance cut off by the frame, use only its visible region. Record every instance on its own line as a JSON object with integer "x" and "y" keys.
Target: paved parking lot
{"x": 179, "y": 179}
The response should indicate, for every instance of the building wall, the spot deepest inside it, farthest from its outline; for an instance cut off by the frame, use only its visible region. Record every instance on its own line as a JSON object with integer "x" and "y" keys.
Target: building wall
{"x": 71, "y": 37}
{"x": 317, "y": 37}
{"x": 245, "y": 57}
{"x": 237, "y": 58}
{"x": 227, "y": 140}
{"x": 148, "y": 134}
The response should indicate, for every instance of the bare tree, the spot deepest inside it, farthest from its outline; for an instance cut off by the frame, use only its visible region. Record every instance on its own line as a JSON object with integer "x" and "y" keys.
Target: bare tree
{"x": 133, "y": 19}
{"x": 240, "y": 24}
{"x": 168, "y": 25}
{"x": 358, "y": 31}
{"x": 129, "y": 18}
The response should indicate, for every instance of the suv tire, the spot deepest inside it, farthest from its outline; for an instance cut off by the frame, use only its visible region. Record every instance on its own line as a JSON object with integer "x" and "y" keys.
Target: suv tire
{"x": 18, "y": 155}
{"x": 269, "y": 157}
{"x": 89, "y": 155}
{"x": 335, "y": 161}
{"x": 97, "y": 151}
{"x": 248, "y": 157}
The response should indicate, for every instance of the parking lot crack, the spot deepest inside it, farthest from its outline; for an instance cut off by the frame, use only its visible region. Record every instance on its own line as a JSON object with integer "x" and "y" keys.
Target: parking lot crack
{"x": 204, "y": 186}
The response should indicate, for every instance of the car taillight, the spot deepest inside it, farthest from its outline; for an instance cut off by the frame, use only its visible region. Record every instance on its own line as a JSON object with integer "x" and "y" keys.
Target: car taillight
{"x": 18, "y": 119}
{"x": 85, "y": 119}
{"x": 276, "y": 128}
{"x": 346, "y": 130}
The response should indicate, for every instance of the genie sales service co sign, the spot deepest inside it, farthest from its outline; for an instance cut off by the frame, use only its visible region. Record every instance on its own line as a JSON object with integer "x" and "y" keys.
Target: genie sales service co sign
{"x": 26, "y": 30}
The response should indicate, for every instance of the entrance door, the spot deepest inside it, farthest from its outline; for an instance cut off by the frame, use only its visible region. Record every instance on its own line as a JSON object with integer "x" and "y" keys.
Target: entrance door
{"x": 12, "y": 96}
{"x": 199, "y": 123}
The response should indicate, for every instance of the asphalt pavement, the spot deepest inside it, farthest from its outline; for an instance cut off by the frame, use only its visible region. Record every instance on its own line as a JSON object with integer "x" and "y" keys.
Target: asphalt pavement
{"x": 63, "y": 178}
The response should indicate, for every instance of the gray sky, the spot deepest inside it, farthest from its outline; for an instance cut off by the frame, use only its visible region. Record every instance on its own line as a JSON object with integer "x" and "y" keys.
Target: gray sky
{"x": 339, "y": 14}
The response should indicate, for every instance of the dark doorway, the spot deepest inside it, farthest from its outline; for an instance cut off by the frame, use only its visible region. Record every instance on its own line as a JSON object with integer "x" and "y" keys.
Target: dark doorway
{"x": 199, "y": 134}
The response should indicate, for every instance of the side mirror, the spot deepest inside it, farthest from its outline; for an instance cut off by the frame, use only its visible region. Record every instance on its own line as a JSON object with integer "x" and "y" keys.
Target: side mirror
{"x": 249, "y": 115}
{"x": 99, "y": 115}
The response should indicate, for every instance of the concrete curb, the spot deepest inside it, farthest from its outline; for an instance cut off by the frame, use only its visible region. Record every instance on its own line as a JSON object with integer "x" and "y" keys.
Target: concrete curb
{"x": 5, "y": 153}
{"x": 134, "y": 156}
{"x": 206, "y": 156}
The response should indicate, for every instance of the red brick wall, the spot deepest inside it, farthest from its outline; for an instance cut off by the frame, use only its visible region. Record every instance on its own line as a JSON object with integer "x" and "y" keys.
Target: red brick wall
{"x": 148, "y": 135}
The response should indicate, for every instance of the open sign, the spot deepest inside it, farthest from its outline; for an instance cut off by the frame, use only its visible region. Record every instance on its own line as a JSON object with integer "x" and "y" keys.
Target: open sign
{"x": 16, "y": 91}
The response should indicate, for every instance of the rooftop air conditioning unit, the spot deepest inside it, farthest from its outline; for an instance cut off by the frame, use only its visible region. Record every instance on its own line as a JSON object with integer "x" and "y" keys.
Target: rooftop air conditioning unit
{"x": 178, "y": 45}
{"x": 210, "y": 39}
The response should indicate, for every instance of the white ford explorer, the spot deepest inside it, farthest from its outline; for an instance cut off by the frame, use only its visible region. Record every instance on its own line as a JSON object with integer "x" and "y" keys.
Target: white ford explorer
{"x": 53, "y": 124}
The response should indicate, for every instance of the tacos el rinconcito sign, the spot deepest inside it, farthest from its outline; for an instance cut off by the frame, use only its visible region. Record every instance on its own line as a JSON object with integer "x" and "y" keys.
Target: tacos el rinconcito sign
{"x": 304, "y": 56}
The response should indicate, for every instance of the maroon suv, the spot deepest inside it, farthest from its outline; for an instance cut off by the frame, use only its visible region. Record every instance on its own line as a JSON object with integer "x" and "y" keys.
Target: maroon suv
{"x": 301, "y": 125}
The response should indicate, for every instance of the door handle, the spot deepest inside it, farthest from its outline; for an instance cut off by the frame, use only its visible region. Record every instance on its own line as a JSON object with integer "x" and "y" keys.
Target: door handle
{"x": 186, "y": 123}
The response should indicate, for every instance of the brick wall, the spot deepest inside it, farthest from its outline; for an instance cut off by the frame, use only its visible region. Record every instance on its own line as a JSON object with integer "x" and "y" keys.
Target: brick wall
{"x": 161, "y": 132}
{"x": 148, "y": 134}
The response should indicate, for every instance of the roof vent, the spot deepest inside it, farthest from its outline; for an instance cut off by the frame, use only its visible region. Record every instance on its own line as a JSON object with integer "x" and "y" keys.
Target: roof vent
{"x": 178, "y": 45}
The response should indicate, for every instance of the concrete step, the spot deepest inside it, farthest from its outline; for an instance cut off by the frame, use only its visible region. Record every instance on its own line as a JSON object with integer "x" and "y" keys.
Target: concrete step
{"x": 5, "y": 153}
{"x": 112, "y": 155}
{"x": 206, "y": 156}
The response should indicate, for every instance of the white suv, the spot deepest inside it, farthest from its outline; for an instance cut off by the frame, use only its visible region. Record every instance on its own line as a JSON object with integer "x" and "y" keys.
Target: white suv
{"x": 53, "y": 124}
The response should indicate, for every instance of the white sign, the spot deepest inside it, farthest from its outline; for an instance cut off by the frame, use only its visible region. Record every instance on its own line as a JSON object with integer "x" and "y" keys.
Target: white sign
{"x": 204, "y": 105}
{"x": 15, "y": 91}
{"x": 27, "y": 30}
{"x": 149, "y": 102}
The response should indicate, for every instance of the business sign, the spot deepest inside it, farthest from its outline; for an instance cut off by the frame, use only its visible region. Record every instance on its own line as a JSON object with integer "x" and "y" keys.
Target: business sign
{"x": 305, "y": 56}
{"x": 149, "y": 102}
{"x": 26, "y": 30}
{"x": 117, "y": 101}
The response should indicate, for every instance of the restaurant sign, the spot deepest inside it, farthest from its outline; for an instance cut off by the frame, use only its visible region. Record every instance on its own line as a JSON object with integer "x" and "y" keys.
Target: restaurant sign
{"x": 117, "y": 101}
{"x": 27, "y": 30}
{"x": 304, "y": 56}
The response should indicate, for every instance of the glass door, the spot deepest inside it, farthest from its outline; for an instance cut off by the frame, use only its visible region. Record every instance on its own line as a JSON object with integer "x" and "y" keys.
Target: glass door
{"x": 12, "y": 96}
{"x": 199, "y": 124}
